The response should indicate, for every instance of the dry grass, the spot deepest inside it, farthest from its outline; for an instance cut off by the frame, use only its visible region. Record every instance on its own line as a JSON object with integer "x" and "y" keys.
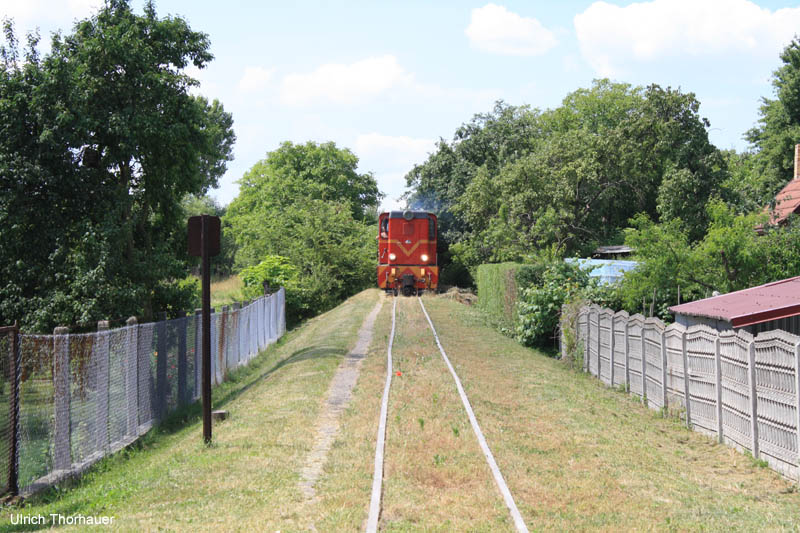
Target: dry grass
{"x": 577, "y": 455}
{"x": 226, "y": 291}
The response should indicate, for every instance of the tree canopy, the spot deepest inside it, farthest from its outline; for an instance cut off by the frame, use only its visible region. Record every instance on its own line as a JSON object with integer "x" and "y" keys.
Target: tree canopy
{"x": 519, "y": 179}
{"x": 101, "y": 140}
{"x": 307, "y": 203}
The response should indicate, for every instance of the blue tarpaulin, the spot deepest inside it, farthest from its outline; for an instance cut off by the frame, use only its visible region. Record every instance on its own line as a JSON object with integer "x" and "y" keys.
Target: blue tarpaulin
{"x": 608, "y": 270}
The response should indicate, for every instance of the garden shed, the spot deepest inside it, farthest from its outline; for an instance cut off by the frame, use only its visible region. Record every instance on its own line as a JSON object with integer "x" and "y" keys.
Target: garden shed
{"x": 775, "y": 305}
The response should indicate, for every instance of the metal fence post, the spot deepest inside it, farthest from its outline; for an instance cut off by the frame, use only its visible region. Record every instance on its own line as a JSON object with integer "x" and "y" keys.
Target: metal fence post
{"x": 198, "y": 351}
{"x": 664, "y": 398}
{"x": 15, "y": 375}
{"x": 132, "y": 378}
{"x": 686, "y": 381}
{"x": 103, "y": 379}
{"x": 718, "y": 379}
{"x": 161, "y": 368}
{"x": 751, "y": 376}
{"x": 182, "y": 366}
{"x": 62, "y": 457}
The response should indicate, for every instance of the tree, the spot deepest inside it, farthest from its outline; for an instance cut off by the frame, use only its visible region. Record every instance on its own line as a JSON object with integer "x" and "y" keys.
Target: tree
{"x": 307, "y": 204}
{"x": 778, "y": 128}
{"x": 607, "y": 153}
{"x": 103, "y": 135}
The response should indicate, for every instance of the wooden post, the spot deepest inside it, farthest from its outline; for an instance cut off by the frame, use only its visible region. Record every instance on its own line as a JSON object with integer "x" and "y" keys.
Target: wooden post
{"x": 644, "y": 370}
{"x": 664, "y": 398}
{"x": 103, "y": 343}
{"x": 198, "y": 352}
{"x": 751, "y": 373}
{"x": 132, "y": 378}
{"x": 62, "y": 456}
{"x": 718, "y": 379}
{"x": 686, "y": 381}
{"x": 161, "y": 368}
{"x": 183, "y": 398}
{"x": 206, "y": 261}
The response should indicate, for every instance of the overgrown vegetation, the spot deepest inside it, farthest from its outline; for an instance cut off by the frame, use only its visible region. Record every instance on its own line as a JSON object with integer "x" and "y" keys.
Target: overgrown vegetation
{"x": 307, "y": 204}
{"x": 613, "y": 164}
{"x": 93, "y": 168}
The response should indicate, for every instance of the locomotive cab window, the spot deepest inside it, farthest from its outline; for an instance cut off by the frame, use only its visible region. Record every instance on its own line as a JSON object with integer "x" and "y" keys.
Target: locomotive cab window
{"x": 385, "y": 228}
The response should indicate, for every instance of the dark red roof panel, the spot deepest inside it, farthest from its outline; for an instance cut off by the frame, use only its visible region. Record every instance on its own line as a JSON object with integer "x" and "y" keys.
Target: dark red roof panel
{"x": 786, "y": 202}
{"x": 772, "y": 301}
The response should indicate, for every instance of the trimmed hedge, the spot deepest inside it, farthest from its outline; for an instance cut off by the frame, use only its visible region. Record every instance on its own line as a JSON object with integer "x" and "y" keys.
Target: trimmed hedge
{"x": 498, "y": 292}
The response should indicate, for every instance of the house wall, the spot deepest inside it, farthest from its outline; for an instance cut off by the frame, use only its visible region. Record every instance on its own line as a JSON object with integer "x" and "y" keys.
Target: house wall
{"x": 713, "y": 323}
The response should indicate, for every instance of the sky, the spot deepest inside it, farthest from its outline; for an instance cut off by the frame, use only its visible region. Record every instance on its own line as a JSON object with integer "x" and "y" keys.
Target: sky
{"x": 388, "y": 79}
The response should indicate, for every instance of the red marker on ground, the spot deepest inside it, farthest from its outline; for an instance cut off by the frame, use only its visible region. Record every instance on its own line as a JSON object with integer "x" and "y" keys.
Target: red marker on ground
{"x": 399, "y": 373}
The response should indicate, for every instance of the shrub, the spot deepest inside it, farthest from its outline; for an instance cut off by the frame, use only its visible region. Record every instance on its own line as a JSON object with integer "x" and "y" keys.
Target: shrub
{"x": 539, "y": 306}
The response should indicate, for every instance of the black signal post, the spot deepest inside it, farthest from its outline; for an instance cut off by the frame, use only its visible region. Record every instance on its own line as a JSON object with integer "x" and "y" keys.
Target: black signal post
{"x": 204, "y": 239}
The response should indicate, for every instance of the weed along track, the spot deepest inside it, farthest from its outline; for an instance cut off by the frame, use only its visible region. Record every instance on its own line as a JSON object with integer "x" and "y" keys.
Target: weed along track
{"x": 427, "y": 465}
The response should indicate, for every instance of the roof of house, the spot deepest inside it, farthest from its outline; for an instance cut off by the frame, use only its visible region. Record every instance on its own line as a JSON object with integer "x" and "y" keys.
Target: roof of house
{"x": 787, "y": 201}
{"x": 773, "y": 301}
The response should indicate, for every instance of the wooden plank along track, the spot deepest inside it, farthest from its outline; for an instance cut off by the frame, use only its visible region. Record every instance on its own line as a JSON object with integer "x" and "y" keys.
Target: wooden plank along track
{"x": 375, "y": 500}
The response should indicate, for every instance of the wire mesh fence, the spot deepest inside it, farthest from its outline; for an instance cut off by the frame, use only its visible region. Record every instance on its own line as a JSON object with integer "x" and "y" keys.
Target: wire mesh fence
{"x": 83, "y": 396}
{"x": 8, "y": 408}
{"x": 742, "y": 390}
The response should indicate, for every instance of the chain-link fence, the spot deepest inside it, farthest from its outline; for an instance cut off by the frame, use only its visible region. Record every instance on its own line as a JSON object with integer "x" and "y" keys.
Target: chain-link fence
{"x": 83, "y": 396}
{"x": 9, "y": 380}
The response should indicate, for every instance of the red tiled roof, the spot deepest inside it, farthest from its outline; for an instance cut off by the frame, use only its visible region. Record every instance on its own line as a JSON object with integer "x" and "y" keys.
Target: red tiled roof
{"x": 772, "y": 301}
{"x": 787, "y": 202}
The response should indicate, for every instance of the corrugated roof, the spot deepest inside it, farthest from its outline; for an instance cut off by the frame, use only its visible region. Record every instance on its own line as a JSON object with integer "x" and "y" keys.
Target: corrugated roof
{"x": 786, "y": 202}
{"x": 772, "y": 301}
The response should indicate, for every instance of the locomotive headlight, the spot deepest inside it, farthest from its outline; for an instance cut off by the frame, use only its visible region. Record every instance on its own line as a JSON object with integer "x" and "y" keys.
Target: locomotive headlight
{"x": 424, "y": 258}
{"x": 392, "y": 257}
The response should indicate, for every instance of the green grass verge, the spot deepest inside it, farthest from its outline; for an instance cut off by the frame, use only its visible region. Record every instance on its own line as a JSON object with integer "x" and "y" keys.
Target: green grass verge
{"x": 248, "y": 478}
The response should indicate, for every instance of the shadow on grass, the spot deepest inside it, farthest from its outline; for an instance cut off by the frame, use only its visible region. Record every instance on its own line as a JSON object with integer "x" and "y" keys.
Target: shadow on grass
{"x": 237, "y": 382}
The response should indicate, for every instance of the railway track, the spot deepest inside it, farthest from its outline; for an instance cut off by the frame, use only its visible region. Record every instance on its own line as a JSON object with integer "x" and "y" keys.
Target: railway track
{"x": 378, "y": 476}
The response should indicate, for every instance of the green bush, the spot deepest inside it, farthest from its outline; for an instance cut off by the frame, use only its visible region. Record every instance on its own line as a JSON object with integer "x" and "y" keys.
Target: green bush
{"x": 539, "y": 306}
{"x": 498, "y": 293}
{"x": 277, "y": 271}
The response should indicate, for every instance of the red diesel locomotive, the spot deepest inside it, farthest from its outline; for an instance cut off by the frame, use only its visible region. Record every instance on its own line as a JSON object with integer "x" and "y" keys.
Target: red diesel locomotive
{"x": 407, "y": 252}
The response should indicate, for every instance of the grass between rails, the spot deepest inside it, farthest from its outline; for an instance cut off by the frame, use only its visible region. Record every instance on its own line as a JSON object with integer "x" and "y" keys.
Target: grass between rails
{"x": 577, "y": 455}
{"x": 247, "y": 480}
{"x": 435, "y": 476}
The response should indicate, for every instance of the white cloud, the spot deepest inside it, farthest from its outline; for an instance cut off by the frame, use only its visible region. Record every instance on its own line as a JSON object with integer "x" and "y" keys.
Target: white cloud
{"x": 390, "y": 158}
{"x": 495, "y": 29}
{"x": 27, "y": 11}
{"x": 255, "y": 78}
{"x": 393, "y": 151}
{"x": 344, "y": 84}
{"x": 613, "y": 38}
